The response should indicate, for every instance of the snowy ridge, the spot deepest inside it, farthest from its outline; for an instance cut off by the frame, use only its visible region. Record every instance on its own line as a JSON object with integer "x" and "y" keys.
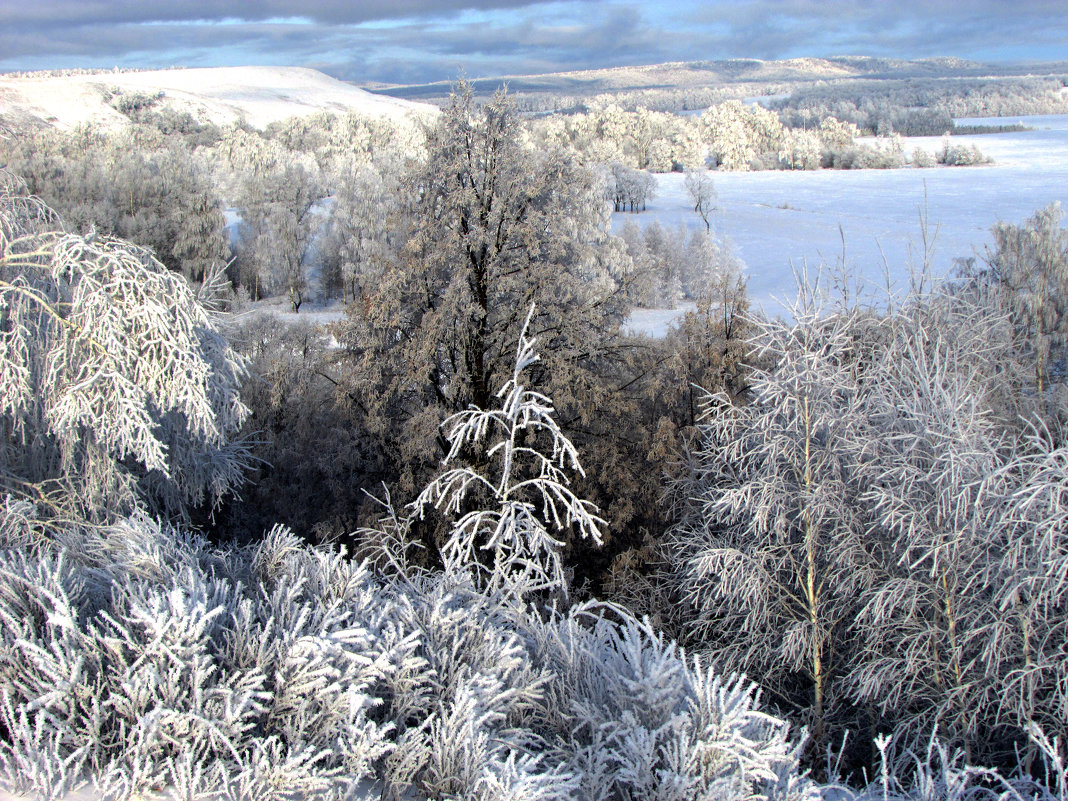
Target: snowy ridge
{"x": 222, "y": 95}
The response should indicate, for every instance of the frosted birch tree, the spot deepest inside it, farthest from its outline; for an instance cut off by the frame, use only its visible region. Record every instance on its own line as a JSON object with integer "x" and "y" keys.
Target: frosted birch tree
{"x": 771, "y": 546}
{"x": 963, "y": 628}
{"x": 924, "y": 624}
{"x": 118, "y": 390}
{"x": 702, "y": 192}
{"x": 516, "y": 542}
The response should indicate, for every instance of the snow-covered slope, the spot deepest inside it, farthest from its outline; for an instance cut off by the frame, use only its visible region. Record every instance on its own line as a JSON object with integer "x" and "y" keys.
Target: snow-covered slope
{"x": 259, "y": 95}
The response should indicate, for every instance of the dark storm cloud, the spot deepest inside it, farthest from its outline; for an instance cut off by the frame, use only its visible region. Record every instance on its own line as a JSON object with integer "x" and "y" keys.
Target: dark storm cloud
{"x": 419, "y": 40}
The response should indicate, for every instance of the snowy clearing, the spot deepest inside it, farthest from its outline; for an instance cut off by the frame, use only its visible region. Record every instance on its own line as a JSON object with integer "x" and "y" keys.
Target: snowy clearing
{"x": 781, "y": 221}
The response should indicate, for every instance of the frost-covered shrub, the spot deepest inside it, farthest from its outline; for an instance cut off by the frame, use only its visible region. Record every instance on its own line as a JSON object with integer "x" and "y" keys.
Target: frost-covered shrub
{"x": 960, "y": 155}
{"x": 635, "y": 718}
{"x": 139, "y": 657}
{"x": 939, "y": 772}
{"x": 132, "y": 104}
{"x": 921, "y": 158}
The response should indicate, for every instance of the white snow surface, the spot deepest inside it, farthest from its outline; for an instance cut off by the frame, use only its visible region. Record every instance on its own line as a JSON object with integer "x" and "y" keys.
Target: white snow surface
{"x": 655, "y": 322}
{"x": 223, "y": 95}
{"x": 781, "y": 221}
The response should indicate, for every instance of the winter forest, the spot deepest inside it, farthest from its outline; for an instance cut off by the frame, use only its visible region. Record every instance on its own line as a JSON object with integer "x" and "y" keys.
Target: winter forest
{"x": 333, "y": 467}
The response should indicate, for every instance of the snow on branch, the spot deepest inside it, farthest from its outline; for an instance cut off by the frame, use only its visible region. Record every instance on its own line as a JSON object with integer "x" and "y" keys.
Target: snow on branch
{"x": 518, "y": 482}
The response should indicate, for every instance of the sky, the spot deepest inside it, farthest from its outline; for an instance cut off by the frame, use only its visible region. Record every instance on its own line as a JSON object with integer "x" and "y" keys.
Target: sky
{"x": 417, "y": 41}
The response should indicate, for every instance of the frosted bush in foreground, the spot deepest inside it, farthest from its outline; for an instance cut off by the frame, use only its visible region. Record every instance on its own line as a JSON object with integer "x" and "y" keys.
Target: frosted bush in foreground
{"x": 140, "y": 658}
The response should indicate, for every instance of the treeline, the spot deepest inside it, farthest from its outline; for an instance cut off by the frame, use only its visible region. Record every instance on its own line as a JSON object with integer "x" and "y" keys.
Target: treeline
{"x": 672, "y": 101}
{"x": 61, "y": 73}
{"x": 167, "y": 182}
{"x": 735, "y": 136}
{"x": 918, "y": 107}
{"x": 277, "y": 206}
{"x": 730, "y": 136}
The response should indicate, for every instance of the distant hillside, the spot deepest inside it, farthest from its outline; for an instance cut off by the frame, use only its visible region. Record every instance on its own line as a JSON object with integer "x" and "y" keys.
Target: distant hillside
{"x": 744, "y": 76}
{"x": 223, "y": 95}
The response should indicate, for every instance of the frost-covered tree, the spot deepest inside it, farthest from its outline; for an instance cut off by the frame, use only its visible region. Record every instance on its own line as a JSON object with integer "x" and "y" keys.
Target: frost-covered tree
{"x": 281, "y": 222}
{"x": 835, "y": 133}
{"x": 517, "y": 542}
{"x": 305, "y": 442}
{"x": 771, "y": 550}
{"x": 736, "y": 133}
{"x": 958, "y": 631}
{"x": 362, "y": 231}
{"x": 643, "y": 284}
{"x": 118, "y": 389}
{"x": 702, "y": 192}
{"x": 924, "y": 625}
{"x": 137, "y": 184}
{"x": 495, "y": 226}
{"x": 709, "y": 347}
{"x": 1027, "y": 271}
{"x": 799, "y": 150}
{"x": 659, "y": 258}
{"x": 628, "y": 189}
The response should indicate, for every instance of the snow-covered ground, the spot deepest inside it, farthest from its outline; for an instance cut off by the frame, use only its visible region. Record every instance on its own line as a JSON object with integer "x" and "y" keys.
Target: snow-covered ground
{"x": 223, "y": 95}
{"x": 655, "y": 322}
{"x": 779, "y": 221}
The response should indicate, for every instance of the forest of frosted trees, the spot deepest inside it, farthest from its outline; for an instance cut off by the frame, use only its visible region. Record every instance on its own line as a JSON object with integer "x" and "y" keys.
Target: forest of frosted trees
{"x": 476, "y": 541}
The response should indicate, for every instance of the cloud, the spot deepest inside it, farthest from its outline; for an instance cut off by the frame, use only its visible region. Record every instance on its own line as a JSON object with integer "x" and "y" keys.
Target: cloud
{"x": 979, "y": 29}
{"x": 421, "y": 40}
{"x": 76, "y": 13}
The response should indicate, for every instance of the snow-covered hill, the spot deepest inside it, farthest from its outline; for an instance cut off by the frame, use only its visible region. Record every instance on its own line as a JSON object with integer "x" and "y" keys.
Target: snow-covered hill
{"x": 258, "y": 95}
{"x": 752, "y": 73}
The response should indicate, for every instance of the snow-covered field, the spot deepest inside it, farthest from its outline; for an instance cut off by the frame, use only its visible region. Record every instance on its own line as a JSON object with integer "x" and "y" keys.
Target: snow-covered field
{"x": 223, "y": 95}
{"x": 779, "y": 221}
